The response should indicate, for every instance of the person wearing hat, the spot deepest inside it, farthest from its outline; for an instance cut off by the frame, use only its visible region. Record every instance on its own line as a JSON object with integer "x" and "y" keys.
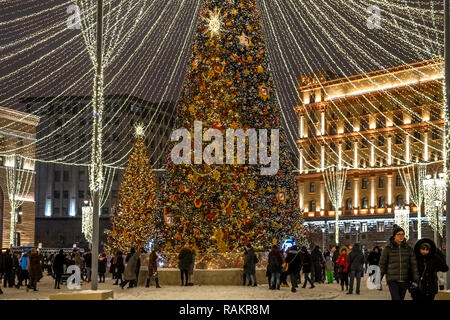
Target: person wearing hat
{"x": 429, "y": 261}
{"x": 398, "y": 262}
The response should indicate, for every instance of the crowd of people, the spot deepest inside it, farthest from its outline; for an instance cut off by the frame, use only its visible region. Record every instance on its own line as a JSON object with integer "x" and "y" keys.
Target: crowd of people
{"x": 405, "y": 268}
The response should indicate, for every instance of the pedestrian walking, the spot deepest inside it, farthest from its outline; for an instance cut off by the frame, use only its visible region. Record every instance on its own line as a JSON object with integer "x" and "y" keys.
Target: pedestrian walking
{"x": 307, "y": 266}
{"x": 317, "y": 263}
{"x": 153, "y": 267}
{"x": 88, "y": 264}
{"x": 398, "y": 262}
{"x": 102, "y": 262}
{"x": 356, "y": 262}
{"x": 117, "y": 267}
{"x": 335, "y": 255}
{"x": 35, "y": 269}
{"x": 23, "y": 265}
{"x": 130, "y": 269}
{"x": 430, "y": 260}
{"x": 58, "y": 267}
{"x": 343, "y": 267}
{"x": 329, "y": 267}
{"x": 191, "y": 266}
{"x": 274, "y": 266}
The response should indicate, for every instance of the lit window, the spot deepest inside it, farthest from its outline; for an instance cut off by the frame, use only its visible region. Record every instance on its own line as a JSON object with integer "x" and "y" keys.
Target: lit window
{"x": 363, "y": 226}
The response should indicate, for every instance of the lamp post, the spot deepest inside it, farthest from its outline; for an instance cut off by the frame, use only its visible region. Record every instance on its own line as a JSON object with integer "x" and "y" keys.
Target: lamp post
{"x": 437, "y": 203}
{"x": 323, "y": 238}
{"x": 357, "y": 232}
{"x": 446, "y": 123}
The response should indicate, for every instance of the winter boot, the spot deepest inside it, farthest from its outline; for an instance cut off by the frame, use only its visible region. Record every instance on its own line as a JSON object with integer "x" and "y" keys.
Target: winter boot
{"x": 157, "y": 283}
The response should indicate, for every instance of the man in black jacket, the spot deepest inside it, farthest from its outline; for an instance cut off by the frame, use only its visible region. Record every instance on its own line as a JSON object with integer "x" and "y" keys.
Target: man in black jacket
{"x": 356, "y": 261}
{"x": 8, "y": 272}
{"x": 398, "y": 262}
{"x": 293, "y": 258}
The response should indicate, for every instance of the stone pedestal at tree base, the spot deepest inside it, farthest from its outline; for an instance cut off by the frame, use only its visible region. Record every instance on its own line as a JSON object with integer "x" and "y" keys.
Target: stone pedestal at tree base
{"x": 213, "y": 277}
{"x": 443, "y": 295}
{"x": 83, "y": 295}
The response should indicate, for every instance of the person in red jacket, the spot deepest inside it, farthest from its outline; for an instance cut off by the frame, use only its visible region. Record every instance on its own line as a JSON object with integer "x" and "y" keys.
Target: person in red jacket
{"x": 343, "y": 265}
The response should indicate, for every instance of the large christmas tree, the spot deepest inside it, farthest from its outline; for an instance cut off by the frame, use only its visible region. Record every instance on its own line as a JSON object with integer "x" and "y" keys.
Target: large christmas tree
{"x": 133, "y": 217}
{"x": 223, "y": 207}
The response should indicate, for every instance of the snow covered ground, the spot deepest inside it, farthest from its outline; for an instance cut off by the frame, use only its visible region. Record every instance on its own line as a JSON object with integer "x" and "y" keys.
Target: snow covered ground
{"x": 320, "y": 292}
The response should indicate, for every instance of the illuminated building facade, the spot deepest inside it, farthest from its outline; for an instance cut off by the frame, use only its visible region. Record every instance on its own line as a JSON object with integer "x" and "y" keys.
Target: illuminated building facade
{"x": 371, "y": 124}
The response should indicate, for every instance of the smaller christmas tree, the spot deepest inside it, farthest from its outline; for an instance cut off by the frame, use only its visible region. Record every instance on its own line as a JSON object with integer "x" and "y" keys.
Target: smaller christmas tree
{"x": 132, "y": 221}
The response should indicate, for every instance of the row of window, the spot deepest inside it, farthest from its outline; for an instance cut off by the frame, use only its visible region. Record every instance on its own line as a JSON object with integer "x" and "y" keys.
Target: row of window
{"x": 364, "y": 183}
{"x": 362, "y": 227}
{"x": 65, "y": 211}
{"x": 381, "y": 203}
{"x": 81, "y": 194}
{"x": 81, "y": 176}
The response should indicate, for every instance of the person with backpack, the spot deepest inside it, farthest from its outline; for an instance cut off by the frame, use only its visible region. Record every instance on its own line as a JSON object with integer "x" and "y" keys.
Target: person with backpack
{"x": 58, "y": 267}
{"x": 307, "y": 266}
{"x": 294, "y": 260}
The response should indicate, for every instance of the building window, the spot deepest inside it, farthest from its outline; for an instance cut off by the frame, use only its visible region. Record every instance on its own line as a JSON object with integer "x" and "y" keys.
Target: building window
{"x": 380, "y": 182}
{"x": 416, "y": 118}
{"x": 81, "y": 194}
{"x": 105, "y": 211}
{"x": 312, "y": 150}
{"x": 65, "y": 211}
{"x": 364, "y": 125}
{"x": 364, "y": 143}
{"x": 348, "y": 127}
{"x": 398, "y": 119}
{"x": 348, "y": 185}
{"x": 398, "y": 139}
{"x": 348, "y": 204}
{"x": 331, "y": 228}
{"x": 381, "y": 121}
{"x": 348, "y": 145}
{"x": 333, "y": 129}
{"x": 312, "y": 206}
{"x": 399, "y": 201}
{"x": 81, "y": 175}
{"x": 56, "y": 211}
{"x": 417, "y": 136}
{"x": 312, "y": 98}
{"x": 434, "y": 134}
{"x": 363, "y": 227}
{"x": 312, "y": 187}
{"x": 66, "y": 176}
{"x": 435, "y": 114}
{"x": 347, "y": 227}
{"x": 381, "y": 202}
{"x": 398, "y": 181}
{"x": 364, "y": 183}
{"x": 364, "y": 203}
{"x": 381, "y": 140}
{"x": 380, "y": 226}
{"x": 56, "y": 194}
{"x": 57, "y": 176}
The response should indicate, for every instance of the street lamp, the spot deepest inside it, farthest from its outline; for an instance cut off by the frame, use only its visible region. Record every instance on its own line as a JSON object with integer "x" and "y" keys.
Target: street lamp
{"x": 437, "y": 204}
{"x": 323, "y": 238}
{"x": 357, "y": 231}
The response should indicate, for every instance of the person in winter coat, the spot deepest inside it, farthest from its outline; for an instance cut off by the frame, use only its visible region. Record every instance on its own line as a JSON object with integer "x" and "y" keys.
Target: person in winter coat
{"x": 58, "y": 267}
{"x": 130, "y": 269}
{"x": 102, "y": 262}
{"x": 329, "y": 268}
{"x": 317, "y": 264}
{"x": 16, "y": 267}
{"x": 191, "y": 267}
{"x": 275, "y": 260}
{"x": 250, "y": 262}
{"x": 88, "y": 263}
{"x": 307, "y": 266}
{"x": 23, "y": 264}
{"x": 343, "y": 267}
{"x": 34, "y": 269}
{"x": 398, "y": 262}
{"x": 430, "y": 260}
{"x": 335, "y": 252}
{"x": 374, "y": 260}
{"x": 143, "y": 275}
{"x": 356, "y": 261}
{"x": 293, "y": 259}
{"x": 184, "y": 263}
{"x": 78, "y": 260}
{"x": 8, "y": 272}
{"x": 153, "y": 267}
{"x": 117, "y": 267}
